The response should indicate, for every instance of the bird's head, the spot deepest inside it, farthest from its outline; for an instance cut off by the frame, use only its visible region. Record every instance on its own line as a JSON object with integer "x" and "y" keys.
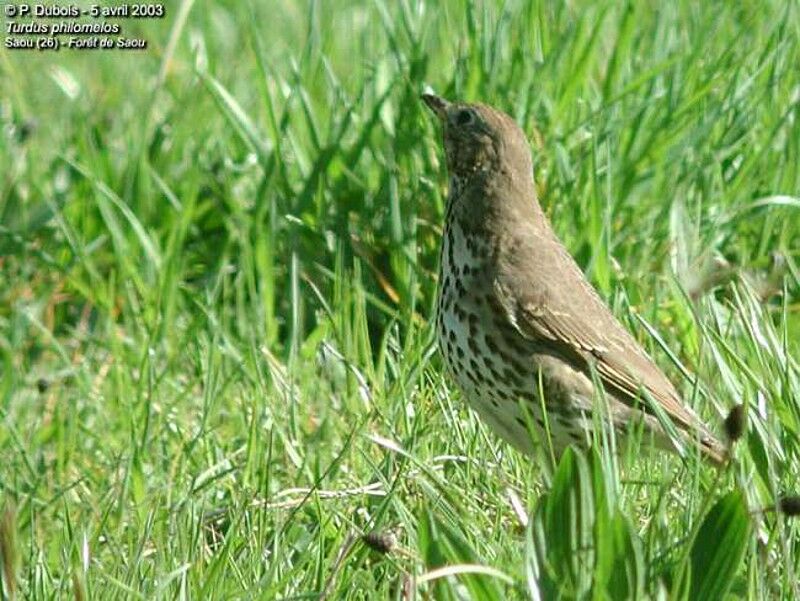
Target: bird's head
{"x": 479, "y": 139}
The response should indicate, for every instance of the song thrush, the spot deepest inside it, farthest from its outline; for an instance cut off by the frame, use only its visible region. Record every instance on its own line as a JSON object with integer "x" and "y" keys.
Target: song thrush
{"x": 516, "y": 316}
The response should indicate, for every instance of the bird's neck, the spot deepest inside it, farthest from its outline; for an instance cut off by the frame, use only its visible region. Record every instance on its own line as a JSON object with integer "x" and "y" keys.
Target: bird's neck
{"x": 492, "y": 201}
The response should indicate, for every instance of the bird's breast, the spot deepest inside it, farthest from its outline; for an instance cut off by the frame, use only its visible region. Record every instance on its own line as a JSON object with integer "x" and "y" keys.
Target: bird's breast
{"x": 462, "y": 308}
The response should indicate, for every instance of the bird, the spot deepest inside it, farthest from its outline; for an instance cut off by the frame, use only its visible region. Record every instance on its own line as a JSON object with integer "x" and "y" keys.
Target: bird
{"x": 523, "y": 334}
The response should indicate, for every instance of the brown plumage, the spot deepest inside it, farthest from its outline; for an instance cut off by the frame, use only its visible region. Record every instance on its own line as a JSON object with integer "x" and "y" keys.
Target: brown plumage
{"x": 515, "y": 312}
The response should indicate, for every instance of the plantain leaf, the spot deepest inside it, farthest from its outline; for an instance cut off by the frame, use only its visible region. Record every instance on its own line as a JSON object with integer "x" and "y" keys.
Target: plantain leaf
{"x": 443, "y": 546}
{"x": 563, "y": 529}
{"x": 719, "y": 547}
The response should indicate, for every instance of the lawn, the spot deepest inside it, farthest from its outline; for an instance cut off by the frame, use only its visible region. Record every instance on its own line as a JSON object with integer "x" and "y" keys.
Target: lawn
{"x": 218, "y": 262}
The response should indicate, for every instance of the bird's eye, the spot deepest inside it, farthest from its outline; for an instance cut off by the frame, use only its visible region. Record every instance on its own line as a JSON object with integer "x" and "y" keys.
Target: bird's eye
{"x": 464, "y": 117}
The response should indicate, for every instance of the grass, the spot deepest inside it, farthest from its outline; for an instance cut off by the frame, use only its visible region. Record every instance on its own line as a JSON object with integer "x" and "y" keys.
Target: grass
{"x": 217, "y": 267}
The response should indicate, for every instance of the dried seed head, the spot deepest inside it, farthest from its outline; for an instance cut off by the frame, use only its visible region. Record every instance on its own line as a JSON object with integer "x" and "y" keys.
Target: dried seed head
{"x": 382, "y": 542}
{"x": 790, "y": 506}
{"x": 736, "y": 423}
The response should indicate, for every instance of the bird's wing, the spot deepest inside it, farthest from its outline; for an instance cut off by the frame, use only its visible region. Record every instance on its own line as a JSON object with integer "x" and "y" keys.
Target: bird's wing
{"x": 565, "y": 311}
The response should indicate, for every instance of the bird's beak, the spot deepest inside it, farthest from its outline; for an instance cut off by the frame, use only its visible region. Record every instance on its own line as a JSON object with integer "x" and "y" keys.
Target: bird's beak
{"x": 437, "y": 104}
